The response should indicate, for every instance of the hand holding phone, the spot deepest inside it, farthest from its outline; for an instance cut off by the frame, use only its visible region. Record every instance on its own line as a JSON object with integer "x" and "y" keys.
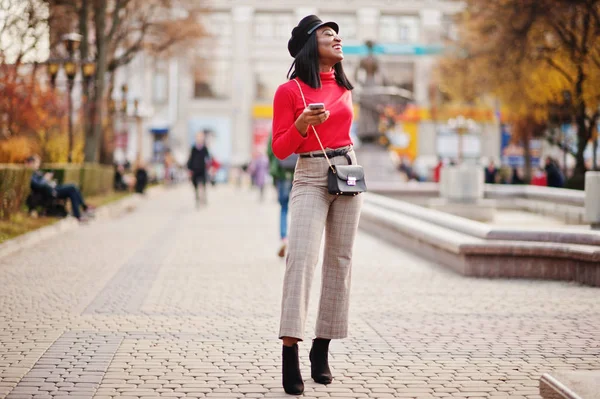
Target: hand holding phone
{"x": 314, "y": 114}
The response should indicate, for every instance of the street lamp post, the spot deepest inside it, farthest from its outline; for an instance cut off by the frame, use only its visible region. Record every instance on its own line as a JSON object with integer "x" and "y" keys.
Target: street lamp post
{"x": 71, "y": 71}
{"x": 71, "y": 41}
{"x": 53, "y": 67}
{"x": 88, "y": 69}
{"x": 461, "y": 126}
{"x": 124, "y": 128}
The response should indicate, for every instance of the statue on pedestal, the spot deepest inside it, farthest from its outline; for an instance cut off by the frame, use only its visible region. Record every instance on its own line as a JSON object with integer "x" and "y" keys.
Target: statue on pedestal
{"x": 368, "y": 75}
{"x": 374, "y": 94}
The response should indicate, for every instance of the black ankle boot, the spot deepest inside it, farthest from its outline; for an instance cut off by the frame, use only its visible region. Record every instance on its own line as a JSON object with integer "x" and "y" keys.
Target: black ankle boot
{"x": 292, "y": 379}
{"x": 319, "y": 365}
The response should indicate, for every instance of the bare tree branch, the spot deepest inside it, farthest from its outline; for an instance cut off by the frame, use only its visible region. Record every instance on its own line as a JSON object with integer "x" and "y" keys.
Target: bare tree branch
{"x": 116, "y": 18}
{"x": 564, "y": 73}
{"x": 553, "y": 140}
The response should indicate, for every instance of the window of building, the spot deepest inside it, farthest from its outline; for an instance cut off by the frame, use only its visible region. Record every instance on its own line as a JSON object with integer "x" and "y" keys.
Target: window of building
{"x": 211, "y": 78}
{"x": 284, "y": 23}
{"x": 268, "y": 77}
{"x": 346, "y": 22}
{"x": 160, "y": 84}
{"x": 449, "y": 28}
{"x": 264, "y": 26}
{"x": 217, "y": 24}
{"x": 273, "y": 25}
{"x": 398, "y": 28}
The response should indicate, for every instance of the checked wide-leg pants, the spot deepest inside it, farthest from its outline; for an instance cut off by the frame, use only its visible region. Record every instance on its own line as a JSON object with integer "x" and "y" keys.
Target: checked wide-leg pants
{"x": 313, "y": 210}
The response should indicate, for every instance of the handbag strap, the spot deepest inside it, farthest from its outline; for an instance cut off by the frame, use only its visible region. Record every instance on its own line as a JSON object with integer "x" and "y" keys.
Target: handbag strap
{"x": 315, "y": 130}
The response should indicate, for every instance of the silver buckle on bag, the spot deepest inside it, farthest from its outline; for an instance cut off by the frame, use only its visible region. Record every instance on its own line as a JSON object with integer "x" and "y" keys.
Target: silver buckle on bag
{"x": 351, "y": 181}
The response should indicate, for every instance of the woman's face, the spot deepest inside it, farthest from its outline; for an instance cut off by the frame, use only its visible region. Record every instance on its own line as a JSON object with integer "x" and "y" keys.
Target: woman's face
{"x": 330, "y": 46}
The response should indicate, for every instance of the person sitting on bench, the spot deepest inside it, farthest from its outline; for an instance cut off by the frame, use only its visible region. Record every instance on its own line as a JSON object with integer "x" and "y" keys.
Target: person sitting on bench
{"x": 44, "y": 184}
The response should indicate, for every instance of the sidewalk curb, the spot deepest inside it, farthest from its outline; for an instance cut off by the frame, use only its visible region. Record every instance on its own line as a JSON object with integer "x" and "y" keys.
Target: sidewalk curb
{"x": 117, "y": 208}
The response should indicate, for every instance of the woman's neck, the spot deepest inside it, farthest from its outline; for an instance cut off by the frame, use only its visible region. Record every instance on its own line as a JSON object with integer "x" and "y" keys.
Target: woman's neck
{"x": 325, "y": 68}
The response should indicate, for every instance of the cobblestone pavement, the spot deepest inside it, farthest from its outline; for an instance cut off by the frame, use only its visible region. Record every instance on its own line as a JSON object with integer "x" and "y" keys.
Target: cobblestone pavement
{"x": 177, "y": 302}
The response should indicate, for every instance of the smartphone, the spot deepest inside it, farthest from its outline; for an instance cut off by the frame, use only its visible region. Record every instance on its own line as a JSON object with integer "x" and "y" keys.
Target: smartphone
{"x": 315, "y": 106}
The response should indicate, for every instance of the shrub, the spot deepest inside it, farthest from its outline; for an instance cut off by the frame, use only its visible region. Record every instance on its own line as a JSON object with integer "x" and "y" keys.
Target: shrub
{"x": 14, "y": 188}
{"x": 96, "y": 179}
{"x": 64, "y": 173}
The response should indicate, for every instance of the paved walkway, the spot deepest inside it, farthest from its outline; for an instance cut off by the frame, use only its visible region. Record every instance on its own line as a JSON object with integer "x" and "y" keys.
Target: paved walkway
{"x": 178, "y": 302}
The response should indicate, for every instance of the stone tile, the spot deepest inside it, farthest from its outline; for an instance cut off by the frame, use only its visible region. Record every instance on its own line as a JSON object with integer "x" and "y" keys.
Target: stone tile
{"x": 177, "y": 302}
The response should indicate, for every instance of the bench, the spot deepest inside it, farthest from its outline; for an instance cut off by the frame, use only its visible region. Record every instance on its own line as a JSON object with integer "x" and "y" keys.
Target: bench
{"x": 46, "y": 205}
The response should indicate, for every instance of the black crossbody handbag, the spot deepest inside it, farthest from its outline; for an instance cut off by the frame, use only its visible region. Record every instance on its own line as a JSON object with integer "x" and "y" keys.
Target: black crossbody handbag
{"x": 341, "y": 179}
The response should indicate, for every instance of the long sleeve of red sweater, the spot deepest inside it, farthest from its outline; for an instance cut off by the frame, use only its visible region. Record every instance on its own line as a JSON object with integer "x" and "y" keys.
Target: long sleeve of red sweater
{"x": 286, "y": 137}
{"x": 288, "y": 105}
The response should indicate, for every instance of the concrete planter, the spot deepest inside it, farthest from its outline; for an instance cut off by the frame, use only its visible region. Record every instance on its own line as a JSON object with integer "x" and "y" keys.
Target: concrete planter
{"x": 461, "y": 193}
{"x": 463, "y": 183}
{"x": 592, "y": 198}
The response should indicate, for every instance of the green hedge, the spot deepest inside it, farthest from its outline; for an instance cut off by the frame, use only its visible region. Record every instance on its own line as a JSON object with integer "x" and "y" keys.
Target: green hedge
{"x": 64, "y": 173}
{"x": 14, "y": 188}
{"x": 96, "y": 179}
{"x": 92, "y": 179}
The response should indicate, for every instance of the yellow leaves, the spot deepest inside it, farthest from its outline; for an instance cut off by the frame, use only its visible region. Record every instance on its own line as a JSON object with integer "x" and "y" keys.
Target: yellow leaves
{"x": 16, "y": 149}
{"x": 516, "y": 50}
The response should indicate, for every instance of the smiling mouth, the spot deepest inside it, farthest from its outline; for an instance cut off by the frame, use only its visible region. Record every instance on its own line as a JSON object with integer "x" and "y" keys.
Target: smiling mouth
{"x": 337, "y": 47}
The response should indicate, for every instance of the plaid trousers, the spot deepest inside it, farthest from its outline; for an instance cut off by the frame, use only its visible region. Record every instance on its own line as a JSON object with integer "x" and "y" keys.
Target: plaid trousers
{"x": 313, "y": 210}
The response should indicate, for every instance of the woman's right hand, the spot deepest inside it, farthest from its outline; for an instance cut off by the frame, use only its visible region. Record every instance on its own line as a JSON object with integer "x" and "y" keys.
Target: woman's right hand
{"x": 310, "y": 117}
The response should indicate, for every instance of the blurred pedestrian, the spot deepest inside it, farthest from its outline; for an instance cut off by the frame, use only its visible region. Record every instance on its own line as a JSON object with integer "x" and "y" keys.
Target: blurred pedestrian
{"x": 170, "y": 168}
{"x": 406, "y": 168}
{"x": 141, "y": 177}
{"x": 197, "y": 167}
{"x": 283, "y": 176}
{"x": 554, "y": 175}
{"x": 505, "y": 174}
{"x": 44, "y": 184}
{"x": 516, "y": 176}
{"x": 437, "y": 171}
{"x": 213, "y": 170}
{"x": 539, "y": 178}
{"x": 119, "y": 183}
{"x": 258, "y": 169}
{"x": 490, "y": 173}
{"x": 316, "y": 76}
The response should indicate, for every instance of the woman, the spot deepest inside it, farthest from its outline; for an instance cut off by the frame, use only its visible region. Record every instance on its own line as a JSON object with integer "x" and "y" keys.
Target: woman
{"x": 317, "y": 72}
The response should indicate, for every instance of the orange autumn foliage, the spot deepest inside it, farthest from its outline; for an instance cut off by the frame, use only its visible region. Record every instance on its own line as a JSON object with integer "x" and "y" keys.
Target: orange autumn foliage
{"x": 28, "y": 112}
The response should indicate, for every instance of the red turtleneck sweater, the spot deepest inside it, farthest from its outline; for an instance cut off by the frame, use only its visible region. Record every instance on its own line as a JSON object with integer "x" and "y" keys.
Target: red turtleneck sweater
{"x": 288, "y": 105}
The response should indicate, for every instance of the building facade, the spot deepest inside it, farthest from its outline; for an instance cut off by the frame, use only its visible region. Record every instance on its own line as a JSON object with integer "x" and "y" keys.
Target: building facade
{"x": 225, "y": 84}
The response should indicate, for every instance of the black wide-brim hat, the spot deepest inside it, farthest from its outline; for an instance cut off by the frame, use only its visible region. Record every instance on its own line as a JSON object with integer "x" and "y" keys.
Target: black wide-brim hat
{"x": 306, "y": 27}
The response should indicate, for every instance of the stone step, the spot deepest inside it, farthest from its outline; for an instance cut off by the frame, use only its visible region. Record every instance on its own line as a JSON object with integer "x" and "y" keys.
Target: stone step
{"x": 571, "y": 385}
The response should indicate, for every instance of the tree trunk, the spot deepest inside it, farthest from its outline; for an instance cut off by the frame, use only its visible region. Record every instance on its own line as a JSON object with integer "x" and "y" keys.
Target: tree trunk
{"x": 582, "y": 142}
{"x": 594, "y": 155}
{"x": 92, "y": 145}
{"x": 83, "y": 55}
{"x": 107, "y": 148}
{"x": 527, "y": 154}
{"x": 582, "y": 132}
